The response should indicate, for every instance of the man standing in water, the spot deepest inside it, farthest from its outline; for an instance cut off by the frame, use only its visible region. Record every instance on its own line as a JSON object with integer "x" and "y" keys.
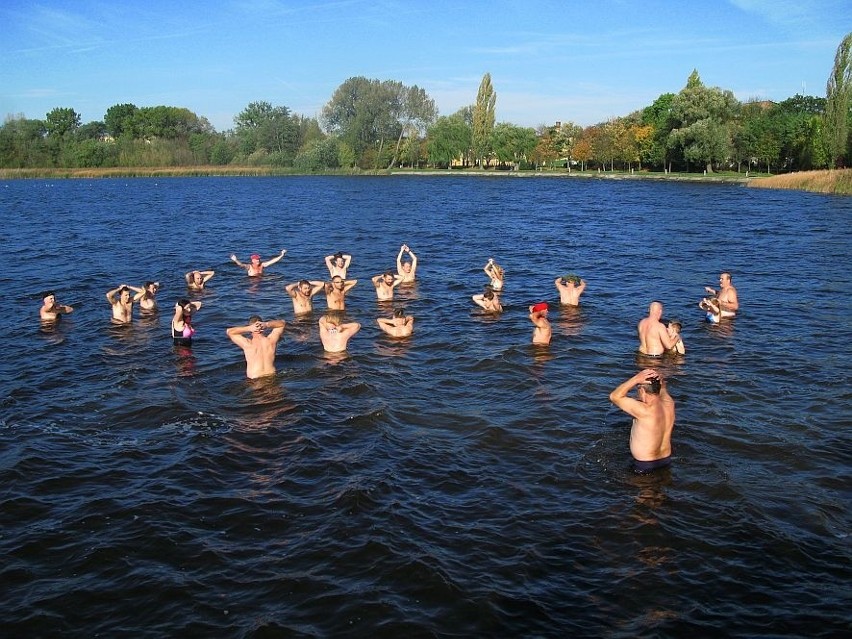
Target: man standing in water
{"x": 195, "y": 280}
{"x": 653, "y": 419}
{"x": 406, "y": 270}
{"x": 50, "y": 311}
{"x": 726, "y": 296}
{"x": 122, "y": 306}
{"x": 654, "y": 339}
{"x": 256, "y": 266}
{"x": 338, "y": 264}
{"x": 148, "y": 297}
{"x": 570, "y": 289}
{"x": 302, "y": 293}
{"x": 259, "y": 348}
{"x": 335, "y": 334}
{"x": 385, "y": 283}
{"x": 542, "y": 331}
{"x": 401, "y": 325}
{"x": 335, "y": 292}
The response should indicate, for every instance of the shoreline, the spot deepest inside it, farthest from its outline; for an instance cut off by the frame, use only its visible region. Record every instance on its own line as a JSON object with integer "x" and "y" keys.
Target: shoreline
{"x": 836, "y": 182}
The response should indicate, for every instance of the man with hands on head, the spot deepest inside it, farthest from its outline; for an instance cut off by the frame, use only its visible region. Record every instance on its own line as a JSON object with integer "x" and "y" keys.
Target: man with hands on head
{"x": 653, "y": 415}
{"x": 302, "y": 293}
{"x": 259, "y": 347}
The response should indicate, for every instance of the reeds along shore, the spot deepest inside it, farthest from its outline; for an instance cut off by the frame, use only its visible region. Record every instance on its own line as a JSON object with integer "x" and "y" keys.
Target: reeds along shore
{"x": 837, "y": 181}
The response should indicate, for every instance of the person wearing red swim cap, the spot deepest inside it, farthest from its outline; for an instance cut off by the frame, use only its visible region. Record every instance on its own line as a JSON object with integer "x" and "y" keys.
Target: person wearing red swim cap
{"x": 256, "y": 266}
{"x": 542, "y": 331}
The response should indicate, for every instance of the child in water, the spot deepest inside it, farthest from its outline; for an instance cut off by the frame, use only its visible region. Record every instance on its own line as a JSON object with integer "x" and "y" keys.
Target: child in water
{"x": 673, "y": 328}
{"x": 713, "y": 308}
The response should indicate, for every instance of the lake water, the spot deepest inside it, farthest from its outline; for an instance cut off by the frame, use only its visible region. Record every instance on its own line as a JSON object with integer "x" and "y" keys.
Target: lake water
{"x": 460, "y": 483}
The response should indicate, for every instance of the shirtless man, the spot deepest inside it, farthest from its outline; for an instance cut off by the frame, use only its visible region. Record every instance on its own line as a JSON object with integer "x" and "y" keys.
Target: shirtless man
{"x": 338, "y": 264}
{"x": 542, "y": 331}
{"x": 653, "y": 419}
{"x": 406, "y": 270}
{"x": 122, "y": 306}
{"x": 259, "y": 348}
{"x": 195, "y": 280}
{"x": 335, "y": 334}
{"x": 654, "y": 339}
{"x": 50, "y": 311}
{"x": 726, "y": 296}
{"x": 335, "y": 292}
{"x": 256, "y": 266}
{"x": 488, "y": 301}
{"x": 302, "y": 293}
{"x": 385, "y": 283}
{"x": 570, "y": 289}
{"x": 147, "y": 297}
{"x": 401, "y": 325}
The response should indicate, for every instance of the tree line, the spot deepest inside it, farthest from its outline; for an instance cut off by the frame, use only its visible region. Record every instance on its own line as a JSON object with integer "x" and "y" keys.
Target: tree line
{"x": 372, "y": 124}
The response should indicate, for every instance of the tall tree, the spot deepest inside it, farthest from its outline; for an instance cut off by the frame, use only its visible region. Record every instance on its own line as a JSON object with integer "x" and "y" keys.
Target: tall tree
{"x": 120, "y": 120}
{"x": 838, "y": 93}
{"x": 269, "y": 130}
{"x": 60, "y": 122}
{"x": 416, "y": 111}
{"x": 700, "y": 117}
{"x": 483, "y": 119}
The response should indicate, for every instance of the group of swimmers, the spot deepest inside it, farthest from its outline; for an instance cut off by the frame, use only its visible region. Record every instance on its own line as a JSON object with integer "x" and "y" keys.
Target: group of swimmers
{"x": 653, "y": 411}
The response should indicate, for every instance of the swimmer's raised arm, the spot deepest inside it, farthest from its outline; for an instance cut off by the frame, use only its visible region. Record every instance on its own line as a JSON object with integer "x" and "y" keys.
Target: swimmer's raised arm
{"x": 237, "y": 262}
{"x": 274, "y": 259}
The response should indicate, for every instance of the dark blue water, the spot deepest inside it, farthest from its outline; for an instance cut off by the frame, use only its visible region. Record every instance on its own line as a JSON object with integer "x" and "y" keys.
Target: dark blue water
{"x": 457, "y": 484}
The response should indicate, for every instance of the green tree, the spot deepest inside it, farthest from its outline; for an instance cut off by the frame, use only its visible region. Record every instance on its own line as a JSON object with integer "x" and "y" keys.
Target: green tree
{"x": 512, "y": 144}
{"x": 447, "y": 140}
{"x": 484, "y": 117}
{"x": 120, "y": 119}
{"x": 838, "y": 93}
{"x": 61, "y": 122}
{"x": 658, "y": 116}
{"x": 362, "y": 113}
{"x": 415, "y": 111}
{"x": 22, "y": 143}
{"x": 700, "y": 117}
{"x": 265, "y": 131}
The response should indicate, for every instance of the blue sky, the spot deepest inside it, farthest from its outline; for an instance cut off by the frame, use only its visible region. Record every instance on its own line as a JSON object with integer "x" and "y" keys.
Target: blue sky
{"x": 571, "y": 61}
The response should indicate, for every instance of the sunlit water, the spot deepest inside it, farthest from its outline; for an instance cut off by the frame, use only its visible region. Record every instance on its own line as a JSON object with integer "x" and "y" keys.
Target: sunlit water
{"x": 460, "y": 483}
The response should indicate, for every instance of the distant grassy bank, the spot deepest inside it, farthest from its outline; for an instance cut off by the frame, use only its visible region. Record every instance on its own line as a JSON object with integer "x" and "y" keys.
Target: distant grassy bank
{"x": 128, "y": 172}
{"x": 838, "y": 181}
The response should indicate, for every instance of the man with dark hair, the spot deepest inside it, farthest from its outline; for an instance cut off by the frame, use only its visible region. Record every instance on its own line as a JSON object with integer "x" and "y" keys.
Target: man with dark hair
{"x": 338, "y": 264}
{"x": 302, "y": 293}
{"x": 653, "y": 419}
{"x": 259, "y": 348}
{"x": 335, "y": 292}
{"x": 488, "y": 300}
{"x": 401, "y": 325}
{"x": 122, "y": 306}
{"x": 147, "y": 298}
{"x": 385, "y": 283}
{"x": 724, "y": 302}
